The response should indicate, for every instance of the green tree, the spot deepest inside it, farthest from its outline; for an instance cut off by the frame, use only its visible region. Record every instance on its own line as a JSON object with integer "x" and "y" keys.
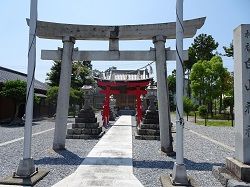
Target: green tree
{"x": 187, "y": 105}
{"x": 16, "y": 90}
{"x": 229, "y": 51}
{"x": 206, "y": 81}
{"x": 80, "y": 74}
{"x": 76, "y": 96}
{"x": 201, "y": 49}
{"x": 172, "y": 89}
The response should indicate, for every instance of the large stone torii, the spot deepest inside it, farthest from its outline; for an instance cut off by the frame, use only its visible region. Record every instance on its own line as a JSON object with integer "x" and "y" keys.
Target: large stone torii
{"x": 68, "y": 33}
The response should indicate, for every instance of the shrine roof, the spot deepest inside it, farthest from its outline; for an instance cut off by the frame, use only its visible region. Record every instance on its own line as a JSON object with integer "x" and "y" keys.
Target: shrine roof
{"x": 126, "y": 75}
{"x": 123, "y": 80}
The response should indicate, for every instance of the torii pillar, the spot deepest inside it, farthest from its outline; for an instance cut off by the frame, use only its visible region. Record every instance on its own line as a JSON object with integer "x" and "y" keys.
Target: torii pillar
{"x": 162, "y": 95}
{"x": 63, "y": 94}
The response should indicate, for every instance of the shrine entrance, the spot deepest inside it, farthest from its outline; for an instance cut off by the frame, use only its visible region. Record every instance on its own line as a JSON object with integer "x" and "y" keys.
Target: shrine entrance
{"x": 123, "y": 89}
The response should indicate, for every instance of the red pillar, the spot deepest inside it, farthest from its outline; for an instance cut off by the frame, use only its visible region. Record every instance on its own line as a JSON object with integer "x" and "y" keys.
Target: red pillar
{"x": 138, "y": 93}
{"x": 138, "y": 108}
{"x": 106, "y": 106}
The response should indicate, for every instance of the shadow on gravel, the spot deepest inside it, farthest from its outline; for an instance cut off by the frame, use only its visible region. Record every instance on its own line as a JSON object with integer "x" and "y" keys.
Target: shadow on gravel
{"x": 200, "y": 166}
{"x": 190, "y": 165}
{"x": 63, "y": 157}
{"x": 153, "y": 164}
{"x": 10, "y": 125}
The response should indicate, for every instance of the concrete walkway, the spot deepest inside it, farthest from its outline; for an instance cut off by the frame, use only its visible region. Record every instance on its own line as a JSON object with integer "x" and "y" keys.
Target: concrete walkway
{"x": 109, "y": 163}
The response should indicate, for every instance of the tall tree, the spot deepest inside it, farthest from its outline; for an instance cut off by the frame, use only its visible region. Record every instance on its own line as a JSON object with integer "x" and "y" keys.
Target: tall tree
{"x": 206, "y": 80}
{"x": 80, "y": 74}
{"x": 172, "y": 89}
{"x": 75, "y": 98}
{"x": 229, "y": 51}
{"x": 202, "y": 48}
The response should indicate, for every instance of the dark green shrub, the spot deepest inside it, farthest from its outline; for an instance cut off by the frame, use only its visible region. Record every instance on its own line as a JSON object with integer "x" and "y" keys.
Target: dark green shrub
{"x": 202, "y": 111}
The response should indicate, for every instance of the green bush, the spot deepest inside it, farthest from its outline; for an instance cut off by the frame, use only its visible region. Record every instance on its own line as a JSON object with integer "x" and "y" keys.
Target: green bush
{"x": 202, "y": 110}
{"x": 188, "y": 105}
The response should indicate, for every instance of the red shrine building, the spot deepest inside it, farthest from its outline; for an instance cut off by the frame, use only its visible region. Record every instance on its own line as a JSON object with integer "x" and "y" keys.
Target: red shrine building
{"x": 127, "y": 87}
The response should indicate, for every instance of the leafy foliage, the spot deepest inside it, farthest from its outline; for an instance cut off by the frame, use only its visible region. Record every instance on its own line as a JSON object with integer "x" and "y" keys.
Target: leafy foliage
{"x": 207, "y": 80}
{"x": 15, "y": 89}
{"x": 229, "y": 51}
{"x": 188, "y": 105}
{"x": 172, "y": 89}
{"x": 201, "y": 49}
{"x": 202, "y": 110}
{"x": 80, "y": 74}
{"x": 76, "y": 96}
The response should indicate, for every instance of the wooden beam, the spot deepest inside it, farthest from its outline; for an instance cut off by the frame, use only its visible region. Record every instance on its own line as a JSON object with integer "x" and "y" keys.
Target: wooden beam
{"x": 51, "y": 30}
{"x": 56, "y": 55}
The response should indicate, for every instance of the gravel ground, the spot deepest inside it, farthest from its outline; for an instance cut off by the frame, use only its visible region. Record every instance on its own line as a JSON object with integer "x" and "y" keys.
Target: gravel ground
{"x": 8, "y": 133}
{"x": 222, "y": 134}
{"x": 60, "y": 164}
{"x": 200, "y": 156}
{"x": 149, "y": 163}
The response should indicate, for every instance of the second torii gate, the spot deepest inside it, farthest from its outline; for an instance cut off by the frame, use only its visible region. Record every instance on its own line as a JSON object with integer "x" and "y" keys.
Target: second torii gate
{"x": 135, "y": 87}
{"x": 68, "y": 33}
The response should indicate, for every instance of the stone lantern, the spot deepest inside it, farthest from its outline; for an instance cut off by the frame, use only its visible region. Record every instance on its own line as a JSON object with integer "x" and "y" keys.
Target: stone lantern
{"x": 152, "y": 95}
{"x": 149, "y": 129}
{"x": 112, "y": 104}
{"x": 86, "y": 125}
{"x": 88, "y": 96}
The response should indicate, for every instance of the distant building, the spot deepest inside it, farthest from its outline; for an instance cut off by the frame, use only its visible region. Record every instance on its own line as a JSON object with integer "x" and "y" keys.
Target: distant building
{"x": 7, "y": 105}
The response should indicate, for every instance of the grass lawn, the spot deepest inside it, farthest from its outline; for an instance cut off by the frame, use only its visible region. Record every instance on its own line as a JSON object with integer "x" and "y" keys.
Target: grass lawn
{"x": 215, "y": 123}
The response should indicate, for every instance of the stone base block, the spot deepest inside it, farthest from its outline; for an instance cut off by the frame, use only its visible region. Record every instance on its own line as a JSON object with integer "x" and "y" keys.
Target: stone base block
{"x": 85, "y": 136}
{"x": 150, "y": 132}
{"x": 166, "y": 182}
{"x": 84, "y": 115}
{"x": 84, "y": 131}
{"x": 226, "y": 178}
{"x": 150, "y": 121}
{"x": 85, "y": 120}
{"x": 240, "y": 170}
{"x": 29, "y": 181}
{"x": 150, "y": 126}
{"x": 85, "y": 125}
{"x": 146, "y": 137}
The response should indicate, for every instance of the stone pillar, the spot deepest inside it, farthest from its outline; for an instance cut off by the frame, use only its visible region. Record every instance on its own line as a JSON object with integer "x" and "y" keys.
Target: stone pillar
{"x": 242, "y": 93}
{"x": 163, "y": 100}
{"x": 63, "y": 94}
{"x": 239, "y": 166}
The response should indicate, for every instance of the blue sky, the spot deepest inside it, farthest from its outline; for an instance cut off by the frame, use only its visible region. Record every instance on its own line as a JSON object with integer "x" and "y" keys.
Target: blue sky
{"x": 222, "y": 17}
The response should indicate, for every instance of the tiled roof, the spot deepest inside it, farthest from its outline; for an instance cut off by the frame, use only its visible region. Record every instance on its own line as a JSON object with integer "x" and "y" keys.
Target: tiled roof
{"x": 8, "y": 74}
{"x": 124, "y": 75}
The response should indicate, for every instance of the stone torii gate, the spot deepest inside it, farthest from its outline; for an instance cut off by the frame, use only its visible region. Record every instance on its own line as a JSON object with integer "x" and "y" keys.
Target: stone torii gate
{"x": 68, "y": 33}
